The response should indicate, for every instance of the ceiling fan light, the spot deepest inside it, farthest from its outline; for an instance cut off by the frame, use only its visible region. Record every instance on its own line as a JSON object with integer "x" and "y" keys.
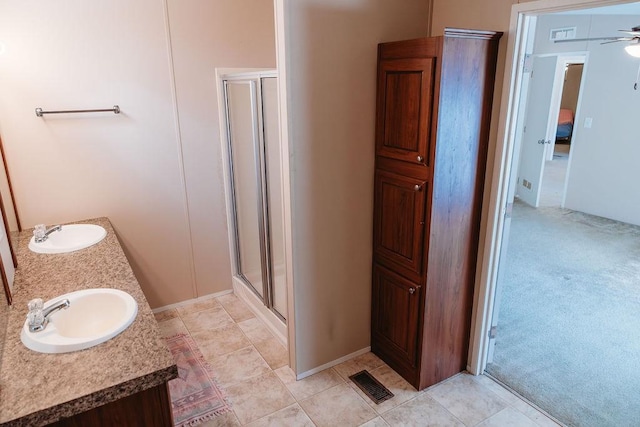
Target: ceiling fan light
{"x": 633, "y": 50}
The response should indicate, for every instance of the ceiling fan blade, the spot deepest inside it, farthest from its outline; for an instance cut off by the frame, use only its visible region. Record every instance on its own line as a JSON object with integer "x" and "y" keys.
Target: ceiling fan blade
{"x": 633, "y": 32}
{"x": 616, "y": 41}
{"x": 588, "y": 39}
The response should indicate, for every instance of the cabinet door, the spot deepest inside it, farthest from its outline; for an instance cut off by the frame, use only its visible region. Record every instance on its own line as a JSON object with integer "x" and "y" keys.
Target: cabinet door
{"x": 405, "y": 98}
{"x": 395, "y": 316}
{"x": 399, "y": 222}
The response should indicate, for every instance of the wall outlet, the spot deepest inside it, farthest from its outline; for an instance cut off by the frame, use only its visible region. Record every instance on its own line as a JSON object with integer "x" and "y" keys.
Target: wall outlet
{"x": 526, "y": 184}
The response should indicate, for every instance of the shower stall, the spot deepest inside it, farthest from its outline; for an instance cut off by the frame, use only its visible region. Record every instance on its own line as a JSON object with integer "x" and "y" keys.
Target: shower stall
{"x": 254, "y": 192}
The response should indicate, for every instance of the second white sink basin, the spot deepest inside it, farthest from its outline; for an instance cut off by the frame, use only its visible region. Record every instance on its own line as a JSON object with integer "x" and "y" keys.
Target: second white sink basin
{"x": 70, "y": 238}
{"x": 93, "y": 317}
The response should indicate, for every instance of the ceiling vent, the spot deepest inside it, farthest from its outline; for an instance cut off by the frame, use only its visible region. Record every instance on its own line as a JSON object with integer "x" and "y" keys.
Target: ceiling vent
{"x": 563, "y": 33}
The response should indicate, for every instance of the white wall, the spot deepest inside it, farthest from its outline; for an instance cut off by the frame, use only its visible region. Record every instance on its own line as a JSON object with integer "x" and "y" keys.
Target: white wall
{"x": 66, "y": 54}
{"x": 603, "y": 174}
{"x": 331, "y": 65}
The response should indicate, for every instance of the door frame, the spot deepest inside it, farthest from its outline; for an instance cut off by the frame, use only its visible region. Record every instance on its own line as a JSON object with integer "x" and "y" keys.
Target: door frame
{"x": 488, "y": 263}
{"x": 564, "y": 59}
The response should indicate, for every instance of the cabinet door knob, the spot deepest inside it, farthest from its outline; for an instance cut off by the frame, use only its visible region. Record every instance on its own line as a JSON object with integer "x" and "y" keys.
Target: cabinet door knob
{"x": 412, "y": 290}
{"x": 419, "y": 158}
{"x": 417, "y": 187}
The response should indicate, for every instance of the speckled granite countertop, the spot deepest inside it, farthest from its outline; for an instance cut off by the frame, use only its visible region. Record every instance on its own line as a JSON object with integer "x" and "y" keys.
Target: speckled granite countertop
{"x": 37, "y": 388}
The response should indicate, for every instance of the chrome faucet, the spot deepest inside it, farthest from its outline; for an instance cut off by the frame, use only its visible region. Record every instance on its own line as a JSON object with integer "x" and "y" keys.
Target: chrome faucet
{"x": 38, "y": 317}
{"x": 41, "y": 233}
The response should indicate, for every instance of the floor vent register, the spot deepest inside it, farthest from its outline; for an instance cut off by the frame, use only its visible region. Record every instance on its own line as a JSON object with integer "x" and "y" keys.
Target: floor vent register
{"x": 371, "y": 386}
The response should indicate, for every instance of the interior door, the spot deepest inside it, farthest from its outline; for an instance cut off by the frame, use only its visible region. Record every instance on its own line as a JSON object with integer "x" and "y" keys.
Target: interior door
{"x": 534, "y": 138}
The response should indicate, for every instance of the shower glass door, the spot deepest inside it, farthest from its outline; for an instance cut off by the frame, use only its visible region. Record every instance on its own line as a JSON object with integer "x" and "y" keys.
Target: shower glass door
{"x": 254, "y": 155}
{"x": 245, "y": 164}
{"x": 271, "y": 134}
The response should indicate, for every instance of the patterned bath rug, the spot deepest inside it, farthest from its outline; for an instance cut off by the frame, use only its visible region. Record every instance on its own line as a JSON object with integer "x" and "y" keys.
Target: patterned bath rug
{"x": 195, "y": 396}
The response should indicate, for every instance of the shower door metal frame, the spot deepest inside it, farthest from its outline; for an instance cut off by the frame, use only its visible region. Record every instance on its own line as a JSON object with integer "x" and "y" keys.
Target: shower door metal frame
{"x": 259, "y": 147}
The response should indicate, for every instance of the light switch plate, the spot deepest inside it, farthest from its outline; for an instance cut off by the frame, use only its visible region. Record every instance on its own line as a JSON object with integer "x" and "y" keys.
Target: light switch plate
{"x": 588, "y": 121}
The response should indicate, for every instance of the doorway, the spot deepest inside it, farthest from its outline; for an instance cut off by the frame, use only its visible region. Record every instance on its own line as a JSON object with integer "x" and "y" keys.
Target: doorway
{"x": 556, "y": 165}
{"x": 565, "y": 100}
{"x": 503, "y": 213}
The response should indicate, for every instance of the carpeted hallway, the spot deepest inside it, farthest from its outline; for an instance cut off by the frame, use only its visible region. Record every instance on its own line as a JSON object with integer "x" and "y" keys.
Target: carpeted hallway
{"x": 569, "y": 323}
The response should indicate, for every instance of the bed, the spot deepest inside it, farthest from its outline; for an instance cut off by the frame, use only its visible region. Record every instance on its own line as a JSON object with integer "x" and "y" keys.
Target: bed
{"x": 565, "y": 125}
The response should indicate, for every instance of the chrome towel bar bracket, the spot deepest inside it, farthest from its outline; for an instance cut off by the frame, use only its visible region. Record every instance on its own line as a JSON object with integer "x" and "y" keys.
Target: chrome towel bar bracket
{"x": 115, "y": 110}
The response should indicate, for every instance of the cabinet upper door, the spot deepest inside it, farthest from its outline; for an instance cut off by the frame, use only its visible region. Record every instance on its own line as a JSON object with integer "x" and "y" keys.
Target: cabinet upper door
{"x": 405, "y": 100}
{"x": 399, "y": 223}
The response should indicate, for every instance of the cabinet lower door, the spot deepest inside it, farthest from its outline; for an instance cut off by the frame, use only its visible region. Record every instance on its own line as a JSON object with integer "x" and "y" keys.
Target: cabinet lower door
{"x": 399, "y": 223}
{"x": 395, "y": 319}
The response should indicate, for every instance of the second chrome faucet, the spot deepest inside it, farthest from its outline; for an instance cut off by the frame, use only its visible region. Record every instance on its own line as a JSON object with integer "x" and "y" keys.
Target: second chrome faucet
{"x": 41, "y": 233}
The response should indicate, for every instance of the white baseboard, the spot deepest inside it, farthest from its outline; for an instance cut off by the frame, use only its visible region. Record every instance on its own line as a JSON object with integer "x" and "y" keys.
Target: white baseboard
{"x": 332, "y": 363}
{"x": 191, "y": 301}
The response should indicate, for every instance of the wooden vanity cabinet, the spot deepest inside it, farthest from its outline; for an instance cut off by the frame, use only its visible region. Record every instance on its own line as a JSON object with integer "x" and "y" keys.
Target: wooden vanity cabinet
{"x": 151, "y": 407}
{"x": 432, "y": 128}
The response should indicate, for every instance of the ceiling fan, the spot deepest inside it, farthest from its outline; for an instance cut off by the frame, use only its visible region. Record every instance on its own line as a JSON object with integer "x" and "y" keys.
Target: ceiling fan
{"x": 633, "y": 48}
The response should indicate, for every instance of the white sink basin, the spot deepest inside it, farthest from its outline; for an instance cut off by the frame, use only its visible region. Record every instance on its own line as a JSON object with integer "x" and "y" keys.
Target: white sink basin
{"x": 93, "y": 317}
{"x": 70, "y": 238}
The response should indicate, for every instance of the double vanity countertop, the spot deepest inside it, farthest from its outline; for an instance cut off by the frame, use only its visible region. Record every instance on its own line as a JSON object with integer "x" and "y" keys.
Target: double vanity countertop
{"x": 38, "y": 388}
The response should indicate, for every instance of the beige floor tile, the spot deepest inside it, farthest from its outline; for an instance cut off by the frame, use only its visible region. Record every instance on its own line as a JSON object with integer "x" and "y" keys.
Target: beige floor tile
{"x": 236, "y": 308}
{"x": 311, "y": 385}
{"x": 259, "y": 396}
{"x": 508, "y": 417}
{"x": 422, "y": 411}
{"x": 255, "y": 330}
{"x": 228, "y": 419}
{"x": 401, "y": 389}
{"x": 172, "y": 327}
{"x": 166, "y": 315}
{"x": 495, "y": 387}
{"x": 376, "y": 422}
{"x": 238, "y": 366}
{"x": 532, "y": 413}
{"x": 291, "y": 416}
{"x": 197, "y": 306}
{"x": 274, "y": 353}
{"x": 220, "y": 341}
{"x": 516, "y": 401}
{"x": 368, "y": 361}
{"x": 206, "y": 320}
{"x": 469, "y": 401}
{"x": 338, "y": 406}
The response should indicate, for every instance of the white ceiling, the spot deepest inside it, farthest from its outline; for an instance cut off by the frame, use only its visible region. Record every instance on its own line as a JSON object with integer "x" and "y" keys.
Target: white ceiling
{"x": 620, "y": 9}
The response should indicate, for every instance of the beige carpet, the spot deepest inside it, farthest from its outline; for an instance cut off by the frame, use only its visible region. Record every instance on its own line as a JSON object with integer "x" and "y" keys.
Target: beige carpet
{"x": 569, "y": 325}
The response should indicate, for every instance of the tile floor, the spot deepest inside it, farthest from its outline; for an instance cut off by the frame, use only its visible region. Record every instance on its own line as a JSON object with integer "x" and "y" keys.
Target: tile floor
{"x": 251, "y": 367}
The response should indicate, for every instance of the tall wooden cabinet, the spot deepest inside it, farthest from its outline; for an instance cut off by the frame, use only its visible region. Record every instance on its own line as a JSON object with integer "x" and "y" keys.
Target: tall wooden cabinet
{"x": 432, "y": 127}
